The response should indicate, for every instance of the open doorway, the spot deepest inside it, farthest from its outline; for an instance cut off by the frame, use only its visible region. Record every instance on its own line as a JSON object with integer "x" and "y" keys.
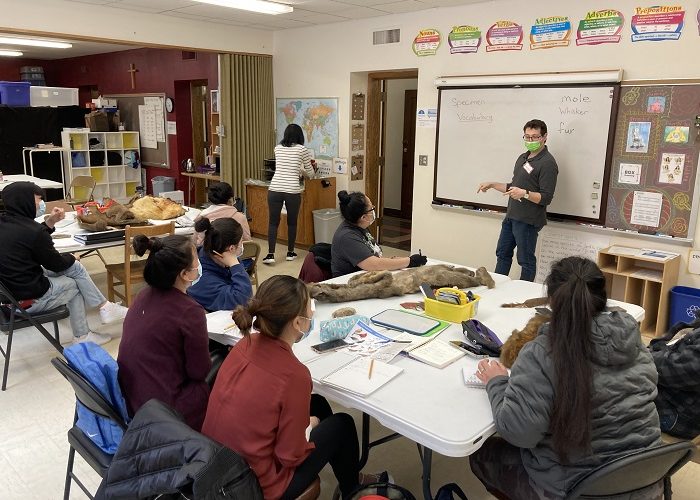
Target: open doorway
{"x": 391, "y": 130}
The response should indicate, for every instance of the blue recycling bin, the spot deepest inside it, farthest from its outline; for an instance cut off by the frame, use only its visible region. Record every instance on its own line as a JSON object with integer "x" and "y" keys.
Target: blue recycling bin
{"x": 685, "y": 304}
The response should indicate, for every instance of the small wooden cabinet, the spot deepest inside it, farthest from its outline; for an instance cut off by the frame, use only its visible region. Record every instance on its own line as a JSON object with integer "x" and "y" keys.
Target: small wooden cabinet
{"x": 318, "y": 193}
{"x": 643, "y": 281}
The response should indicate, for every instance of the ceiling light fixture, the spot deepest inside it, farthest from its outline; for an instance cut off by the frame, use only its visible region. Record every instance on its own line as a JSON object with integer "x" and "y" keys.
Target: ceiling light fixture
{"x": 261, "y": 6}
{"x": 31, "y": 42}
{"x": 10, "y": 53}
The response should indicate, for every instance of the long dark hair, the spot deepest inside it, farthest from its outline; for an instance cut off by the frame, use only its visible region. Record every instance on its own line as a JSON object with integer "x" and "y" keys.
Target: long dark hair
{"x": 576, "y": 291}
{"x": 293, "y": 134}
{"x": 278, "y": 301}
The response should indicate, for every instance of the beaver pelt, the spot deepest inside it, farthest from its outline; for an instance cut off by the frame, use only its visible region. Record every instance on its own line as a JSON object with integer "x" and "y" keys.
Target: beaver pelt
{"x": 382, "y": 284}
{"x": 511, "y": 348}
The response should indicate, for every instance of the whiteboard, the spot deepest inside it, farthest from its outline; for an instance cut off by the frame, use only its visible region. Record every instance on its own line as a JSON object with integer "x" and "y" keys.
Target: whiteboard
{"x": 556, "y": 243}
{"x": 480, "y": 136}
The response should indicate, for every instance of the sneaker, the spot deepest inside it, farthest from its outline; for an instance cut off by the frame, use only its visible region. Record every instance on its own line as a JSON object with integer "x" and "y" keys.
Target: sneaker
{"x": 269, "y": 259}
{"x": 291, "y": 256}
{"x": 111, "y": 312}
{"x": 97, "y": 338}
{"x": 382, "y": 477}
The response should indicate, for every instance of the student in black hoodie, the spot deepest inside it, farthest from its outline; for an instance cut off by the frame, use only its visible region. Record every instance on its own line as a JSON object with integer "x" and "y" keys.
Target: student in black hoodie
{"x": 34, "y": 271}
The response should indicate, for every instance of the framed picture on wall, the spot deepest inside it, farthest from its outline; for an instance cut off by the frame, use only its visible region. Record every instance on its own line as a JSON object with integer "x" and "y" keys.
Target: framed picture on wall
{"x": 214, "y": 101}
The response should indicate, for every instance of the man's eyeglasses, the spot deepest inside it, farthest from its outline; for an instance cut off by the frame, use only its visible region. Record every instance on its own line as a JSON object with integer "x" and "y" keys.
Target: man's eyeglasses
{"x": 532, "y": 137}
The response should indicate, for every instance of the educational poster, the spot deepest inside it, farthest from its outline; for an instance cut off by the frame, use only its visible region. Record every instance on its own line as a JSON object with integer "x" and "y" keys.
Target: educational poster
{"x": 426, "y": 117}
{"x": 638, "y": 137}
{"x": 340, "y": 165}
{"x": 600, "y": 26}
{"x": 657, "y": 23}
{"x": 427, "y": 42}
{"x": 630, "y": 173}
{"x": 148, "y": 130}
{"x": 504, "y": 35}
{"x": 464, "y": 39}
{"x": 318, "y": 118}
{"x": 660, "y": 119}
{"x": 671, "y": 168}
{"x": 549, "y": 32}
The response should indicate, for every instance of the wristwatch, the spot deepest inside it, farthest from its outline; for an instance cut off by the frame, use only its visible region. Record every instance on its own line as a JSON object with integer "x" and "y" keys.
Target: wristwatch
{"x": 526, "y": 195}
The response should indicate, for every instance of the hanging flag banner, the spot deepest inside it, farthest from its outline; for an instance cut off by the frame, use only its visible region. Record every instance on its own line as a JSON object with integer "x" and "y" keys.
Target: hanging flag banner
{"x": 504, "y": 35}
{"x": 661, "y": 22}
{"x": 426, "y": 42}
{"x": 464, "y": 39}
{"x": 600, "y": 26}
{"x": 549, "y": 32}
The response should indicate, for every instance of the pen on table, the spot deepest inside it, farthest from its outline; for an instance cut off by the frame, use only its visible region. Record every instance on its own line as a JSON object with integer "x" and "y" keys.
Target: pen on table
{"x": 371, "y": 366}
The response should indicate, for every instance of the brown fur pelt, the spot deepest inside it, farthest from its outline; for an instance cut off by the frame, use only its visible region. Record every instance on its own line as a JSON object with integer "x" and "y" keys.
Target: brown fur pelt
{"x": 382, "y": 284}
{"x": 516, "y": 341}
{"x": 116, "y": 215}
{"x": 149, "y": 207}
{"x": 536, "y": 302}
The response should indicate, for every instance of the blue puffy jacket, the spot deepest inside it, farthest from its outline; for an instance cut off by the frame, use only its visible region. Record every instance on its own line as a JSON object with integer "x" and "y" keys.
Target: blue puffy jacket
{"x": 100, "y": 369}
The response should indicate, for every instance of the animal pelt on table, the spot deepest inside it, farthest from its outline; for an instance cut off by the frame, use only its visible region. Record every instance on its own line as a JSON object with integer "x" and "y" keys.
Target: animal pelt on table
{"x": 149, "y": 207}
{"x": 511, "y": 348}
{"x": 117, "y": 214}
{"x": 382, "y": 284}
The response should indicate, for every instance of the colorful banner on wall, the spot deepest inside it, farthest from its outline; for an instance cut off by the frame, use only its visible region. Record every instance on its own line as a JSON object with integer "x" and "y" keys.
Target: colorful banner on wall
{"x": 661, "y": 22}
{"x": 600, "y": 26}
{"x": 464, "y": 39}
{"x": 426, "y": 42}
{"x": 549, "y": 32}
{"x": 504, "y": 35}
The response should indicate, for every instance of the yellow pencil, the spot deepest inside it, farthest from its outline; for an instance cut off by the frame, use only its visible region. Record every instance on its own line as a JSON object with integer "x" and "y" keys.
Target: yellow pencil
{"x": 371, "y": 366}
{"x": 229, "y": 327}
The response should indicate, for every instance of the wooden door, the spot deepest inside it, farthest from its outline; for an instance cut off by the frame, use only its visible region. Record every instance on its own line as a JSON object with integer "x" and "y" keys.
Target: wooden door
{"x": 198, "y": 100}
{"x": 409, "y": 148}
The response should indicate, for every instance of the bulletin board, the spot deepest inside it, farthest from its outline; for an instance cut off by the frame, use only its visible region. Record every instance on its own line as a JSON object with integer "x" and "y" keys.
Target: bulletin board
{"x": 655, "y": 157}
{"x": 128, "y": 104}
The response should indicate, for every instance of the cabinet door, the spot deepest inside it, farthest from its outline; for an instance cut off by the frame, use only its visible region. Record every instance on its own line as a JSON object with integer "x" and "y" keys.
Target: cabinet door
{"x": 257, "y": 209}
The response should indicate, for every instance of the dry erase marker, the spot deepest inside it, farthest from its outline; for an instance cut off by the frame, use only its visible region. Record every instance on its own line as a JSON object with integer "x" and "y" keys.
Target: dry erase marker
{"x": 371, "y": 366}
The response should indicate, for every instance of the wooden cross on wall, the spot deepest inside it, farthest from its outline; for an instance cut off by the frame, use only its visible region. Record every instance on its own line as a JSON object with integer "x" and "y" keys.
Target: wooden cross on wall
{"x": 132, "y": 69}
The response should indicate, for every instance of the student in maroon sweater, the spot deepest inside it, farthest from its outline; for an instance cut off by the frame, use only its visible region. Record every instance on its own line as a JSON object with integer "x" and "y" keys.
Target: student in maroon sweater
{"x": 164, "y": 352}
{"x": 261, "y": 404}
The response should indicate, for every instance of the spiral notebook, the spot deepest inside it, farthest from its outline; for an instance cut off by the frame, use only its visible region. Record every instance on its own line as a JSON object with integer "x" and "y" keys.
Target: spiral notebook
{"x": 354, "y": 377}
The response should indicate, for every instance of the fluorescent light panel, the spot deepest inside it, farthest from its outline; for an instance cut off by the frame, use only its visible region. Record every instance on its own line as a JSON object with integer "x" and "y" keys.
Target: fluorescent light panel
{"x": 31, "y": 42}
{"x": 260, "y": 6}
{"x": 10, "y": 53}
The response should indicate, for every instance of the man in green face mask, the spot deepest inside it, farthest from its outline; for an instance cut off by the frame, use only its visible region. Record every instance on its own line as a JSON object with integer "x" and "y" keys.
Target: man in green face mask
{"x": 529, "y": 192}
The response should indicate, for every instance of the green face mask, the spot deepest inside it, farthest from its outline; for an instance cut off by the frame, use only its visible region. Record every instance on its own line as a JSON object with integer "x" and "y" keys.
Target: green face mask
{"x": 533, "y": 146}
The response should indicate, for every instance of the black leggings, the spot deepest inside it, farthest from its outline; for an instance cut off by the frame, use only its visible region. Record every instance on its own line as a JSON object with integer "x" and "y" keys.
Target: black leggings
{"x": 274, "y": 206}
{"x": 336, "y": 444}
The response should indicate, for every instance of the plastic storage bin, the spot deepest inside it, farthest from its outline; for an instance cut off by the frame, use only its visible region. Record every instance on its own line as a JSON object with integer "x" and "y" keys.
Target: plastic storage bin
{"x": 685, "y": 304}
{"x": 53, "y": 96}
{"x": 452, "y": 312}
{"x": 162, "y": 183}
{"x": 14, "y": 93}
{"x": 326, "y": 221}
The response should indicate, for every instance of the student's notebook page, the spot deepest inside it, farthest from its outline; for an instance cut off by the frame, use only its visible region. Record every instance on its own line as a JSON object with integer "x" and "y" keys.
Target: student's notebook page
{"x": 437, "y": 353}
{"x": 220, "y": 322}
{"x": 355, "y": 376}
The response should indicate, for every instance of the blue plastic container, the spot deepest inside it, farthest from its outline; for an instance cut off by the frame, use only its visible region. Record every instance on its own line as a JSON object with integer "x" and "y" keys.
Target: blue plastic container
{"x": 14, "y": 93}
{"x": 685, "y": 303}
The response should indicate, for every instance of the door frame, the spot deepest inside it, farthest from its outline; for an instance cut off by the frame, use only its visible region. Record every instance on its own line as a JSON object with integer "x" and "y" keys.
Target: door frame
{"x": 376, "y": 117}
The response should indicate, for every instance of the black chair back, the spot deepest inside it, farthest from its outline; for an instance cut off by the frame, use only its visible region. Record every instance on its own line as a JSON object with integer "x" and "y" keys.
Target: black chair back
{"x": 634, "y": 471}
{"x": 87, "y": 394}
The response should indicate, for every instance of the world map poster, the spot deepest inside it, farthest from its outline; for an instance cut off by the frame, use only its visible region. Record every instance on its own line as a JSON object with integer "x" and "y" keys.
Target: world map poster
{"x": 317, "y": 117}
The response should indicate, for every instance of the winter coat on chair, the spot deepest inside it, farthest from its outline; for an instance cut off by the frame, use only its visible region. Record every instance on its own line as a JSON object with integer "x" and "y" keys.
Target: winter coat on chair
{"x": 161, "y": 455}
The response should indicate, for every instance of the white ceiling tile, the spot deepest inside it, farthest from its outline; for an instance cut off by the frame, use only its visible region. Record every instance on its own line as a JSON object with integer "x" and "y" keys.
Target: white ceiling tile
{"x": 263, "y": 27}
{"x": 216, "y": 12}
{"x": 135, "y": 8}
{"x": 278, "y": 23}
{"x": 323, "y": 6}
{"x": 94, "y": 2}
{"x": 324, "y": 18}
{"x": 363, "y": 3}
{"x": 155, "y": 5}
{"x": 403, "y": 6}
{"x": 360, "y": 13}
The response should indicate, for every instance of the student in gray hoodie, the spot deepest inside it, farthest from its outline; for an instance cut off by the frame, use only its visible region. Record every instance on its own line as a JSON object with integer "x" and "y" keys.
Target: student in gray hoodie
{"x": 579, "y": 395}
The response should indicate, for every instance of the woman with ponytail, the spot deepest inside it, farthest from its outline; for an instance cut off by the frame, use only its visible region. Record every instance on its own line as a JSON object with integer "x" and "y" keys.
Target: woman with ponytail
{"x": 164, "y": 352}
{"x": 262, "y": 407}
{"x": 224, "y": 283}
{"x": 579, "y": 395}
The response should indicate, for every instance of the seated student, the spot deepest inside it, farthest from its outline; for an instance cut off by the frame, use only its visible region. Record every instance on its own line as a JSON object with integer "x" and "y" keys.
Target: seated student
{"x": 220, "y": 195}
{"x": 33, "y": 270}
{"x": 224, "y": 283}
{"x": 353, "y": 246}
{"x": 164, "y": 352}
{"x": 579, "y": 395}
{"x": 262, "y": 404}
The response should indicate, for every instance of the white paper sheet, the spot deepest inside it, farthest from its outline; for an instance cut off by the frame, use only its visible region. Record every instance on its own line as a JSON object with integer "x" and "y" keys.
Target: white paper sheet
{"x": 157, "y": 103}
{"x": 646, "y": 208}
{"x": 147, "y": 127}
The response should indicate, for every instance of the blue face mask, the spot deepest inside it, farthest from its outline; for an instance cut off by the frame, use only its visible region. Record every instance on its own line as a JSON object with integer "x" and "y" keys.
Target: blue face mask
{"x": 41, "y": 210}
{"x": 199, "y": 275}
{"x": 312, "y": 324}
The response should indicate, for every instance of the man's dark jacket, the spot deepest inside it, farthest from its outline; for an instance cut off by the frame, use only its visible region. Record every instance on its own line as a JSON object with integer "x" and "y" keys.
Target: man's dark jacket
{"x": 26, "y": 245}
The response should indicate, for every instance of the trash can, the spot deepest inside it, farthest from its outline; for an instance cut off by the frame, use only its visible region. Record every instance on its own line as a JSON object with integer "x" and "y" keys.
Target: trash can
{"x": 162, "y": 183}
{"x": 685, "y": 303}
{"x": 326, "y": 221}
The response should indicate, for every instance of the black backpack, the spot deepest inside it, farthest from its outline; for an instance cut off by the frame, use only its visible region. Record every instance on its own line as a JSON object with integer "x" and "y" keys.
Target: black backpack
{"x": 448, "y": 492}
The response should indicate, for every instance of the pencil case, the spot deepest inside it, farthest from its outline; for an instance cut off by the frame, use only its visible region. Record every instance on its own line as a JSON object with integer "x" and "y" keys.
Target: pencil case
{"x": 451, "y": 312}
{"x": 339, "y": 328}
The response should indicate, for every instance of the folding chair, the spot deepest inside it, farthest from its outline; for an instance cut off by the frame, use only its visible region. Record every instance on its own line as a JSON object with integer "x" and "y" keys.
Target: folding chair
{"x": 80, "y": 190}
{"x": 14, "y": 317}
{"x": 130, "y": 272}
{"x": 90, "y": 397}
{"x": 251, "y": 250}
{"x": 634, "y": 472}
